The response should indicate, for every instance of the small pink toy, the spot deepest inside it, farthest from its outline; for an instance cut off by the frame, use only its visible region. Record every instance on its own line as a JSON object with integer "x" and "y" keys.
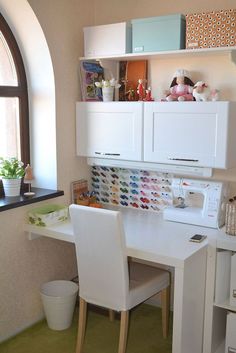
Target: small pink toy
{"x": 181, "y": 88}
{"x": 215, "y": 95}
{"x": 202, "y": 92}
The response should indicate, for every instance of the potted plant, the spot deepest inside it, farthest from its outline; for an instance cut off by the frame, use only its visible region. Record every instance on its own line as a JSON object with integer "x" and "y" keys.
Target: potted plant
{"x": 108, "y": 87}
{"x": 11, "y": 172}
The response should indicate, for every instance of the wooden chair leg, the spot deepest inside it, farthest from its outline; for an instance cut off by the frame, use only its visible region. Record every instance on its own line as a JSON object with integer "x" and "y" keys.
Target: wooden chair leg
{"x": 82, "y": 324}
{"x": 165, "y": 307}
{"x": 111, "y": 315}
{"x": 124, "y": 322}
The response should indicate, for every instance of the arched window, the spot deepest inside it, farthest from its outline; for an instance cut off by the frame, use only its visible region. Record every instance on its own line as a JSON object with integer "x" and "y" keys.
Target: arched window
{"x": 14, "y": 112}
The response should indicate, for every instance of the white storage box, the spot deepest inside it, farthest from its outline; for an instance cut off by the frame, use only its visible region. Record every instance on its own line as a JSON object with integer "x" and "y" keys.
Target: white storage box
{"x": 112, "y": 39}
{"x": 47, "y": 215}
{"x": 230, "y": 343}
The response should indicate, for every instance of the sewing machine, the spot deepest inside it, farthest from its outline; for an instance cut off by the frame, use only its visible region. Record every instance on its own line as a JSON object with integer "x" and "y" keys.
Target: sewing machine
{"x": 198, "y": 202}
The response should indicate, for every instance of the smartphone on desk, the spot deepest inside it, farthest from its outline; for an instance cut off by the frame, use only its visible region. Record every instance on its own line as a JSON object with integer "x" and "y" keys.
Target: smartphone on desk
{"x": 197, "y": 238}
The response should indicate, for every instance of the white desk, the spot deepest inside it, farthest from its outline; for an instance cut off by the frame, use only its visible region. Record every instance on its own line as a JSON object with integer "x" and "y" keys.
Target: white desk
{"x": 149, "y": 237}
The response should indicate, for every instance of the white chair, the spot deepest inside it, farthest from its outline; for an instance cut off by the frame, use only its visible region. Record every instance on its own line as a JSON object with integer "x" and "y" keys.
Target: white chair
{"x": 105, "y": 278}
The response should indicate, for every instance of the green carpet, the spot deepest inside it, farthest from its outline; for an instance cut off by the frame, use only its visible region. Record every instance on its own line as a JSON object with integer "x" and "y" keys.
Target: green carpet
{"x": 101, "y": 335}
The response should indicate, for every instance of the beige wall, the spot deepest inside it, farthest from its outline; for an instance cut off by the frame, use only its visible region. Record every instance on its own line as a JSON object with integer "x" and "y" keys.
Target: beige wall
{"x": 116, "y": 11}
{"x": 24, "y": 264}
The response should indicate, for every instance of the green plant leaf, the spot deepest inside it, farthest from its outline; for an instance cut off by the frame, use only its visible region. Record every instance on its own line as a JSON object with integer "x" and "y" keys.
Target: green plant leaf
{"x": 11, "y": 168}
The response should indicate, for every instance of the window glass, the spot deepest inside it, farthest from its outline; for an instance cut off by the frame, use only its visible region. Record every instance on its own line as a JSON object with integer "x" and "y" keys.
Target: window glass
{"x": 8, "y": 76}
{"x": 9, "y": 128}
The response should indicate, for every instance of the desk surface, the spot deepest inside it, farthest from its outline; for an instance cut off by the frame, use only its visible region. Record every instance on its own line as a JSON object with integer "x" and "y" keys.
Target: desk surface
{"x": 148, "y": 237}
{"x": 151, "y": 238}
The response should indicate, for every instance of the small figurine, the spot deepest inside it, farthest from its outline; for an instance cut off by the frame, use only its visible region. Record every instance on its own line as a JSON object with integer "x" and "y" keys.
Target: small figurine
{"x": 201, "y": 92}
{"x": 181, "y": 87}
{"x": 141, "y": 89}
{"x": 28, "y": 179}
{"x": 130, "y": 94}
{"x": 215, "y": 95}
{"x": 148, "y": 97}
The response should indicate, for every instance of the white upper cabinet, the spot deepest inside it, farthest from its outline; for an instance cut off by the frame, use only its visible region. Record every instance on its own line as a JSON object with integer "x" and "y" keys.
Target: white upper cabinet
{"x": 110, "y": 130}
{"x": 190, "y": 133}
{"x": 194, "y": 134}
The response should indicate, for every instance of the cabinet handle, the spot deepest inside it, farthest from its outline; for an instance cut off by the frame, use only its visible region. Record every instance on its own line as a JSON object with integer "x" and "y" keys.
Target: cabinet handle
{"x": 107, "y": 154}
{"x": 231, "y": 350}
{"x": 183, "y": 159}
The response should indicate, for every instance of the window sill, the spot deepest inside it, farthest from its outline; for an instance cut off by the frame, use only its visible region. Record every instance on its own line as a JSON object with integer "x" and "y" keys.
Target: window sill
{"x": 7, "y": 203}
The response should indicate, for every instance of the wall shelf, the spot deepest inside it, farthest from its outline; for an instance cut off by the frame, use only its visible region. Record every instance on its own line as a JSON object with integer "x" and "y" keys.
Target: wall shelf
{"x": 226, "y": 242}
{"x": 230, "y": 51}
{"x": 226, "y": 305}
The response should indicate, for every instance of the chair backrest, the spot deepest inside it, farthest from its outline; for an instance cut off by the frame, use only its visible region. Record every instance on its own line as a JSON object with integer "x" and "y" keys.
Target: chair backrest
{"x": 102, "y": 263}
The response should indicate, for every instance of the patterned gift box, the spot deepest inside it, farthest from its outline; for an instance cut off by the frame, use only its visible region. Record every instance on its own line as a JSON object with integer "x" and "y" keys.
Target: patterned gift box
{"x": 211, "y": 29}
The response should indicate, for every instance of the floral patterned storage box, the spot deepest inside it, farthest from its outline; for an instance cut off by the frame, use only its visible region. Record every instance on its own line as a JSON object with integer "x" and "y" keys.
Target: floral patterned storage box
{"x": 47, "y": 215}
{"x": 211, "y": 29}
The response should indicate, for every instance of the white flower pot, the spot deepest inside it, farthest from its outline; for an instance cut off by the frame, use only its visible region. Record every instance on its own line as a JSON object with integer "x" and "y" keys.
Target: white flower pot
{"x": 107, "y": 94}
{"x": 11, "y": 186}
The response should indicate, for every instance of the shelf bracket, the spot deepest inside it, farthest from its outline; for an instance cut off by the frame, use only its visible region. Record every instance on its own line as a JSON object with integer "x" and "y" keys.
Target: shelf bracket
{"x": 32, "y": 235}
{"x": 233, "y": 56}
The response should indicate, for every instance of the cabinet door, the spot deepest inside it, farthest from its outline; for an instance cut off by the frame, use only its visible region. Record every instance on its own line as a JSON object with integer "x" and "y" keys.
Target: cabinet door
{"x": 187, "y": 133}
{"x": 110, "y": 130}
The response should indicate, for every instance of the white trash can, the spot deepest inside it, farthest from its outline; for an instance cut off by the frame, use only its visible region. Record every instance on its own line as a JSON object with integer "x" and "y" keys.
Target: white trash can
{"x": 59, "y": 299}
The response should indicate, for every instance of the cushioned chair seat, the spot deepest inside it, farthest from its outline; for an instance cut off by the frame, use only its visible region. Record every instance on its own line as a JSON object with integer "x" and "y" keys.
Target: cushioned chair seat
{"x": 145, "y": 281}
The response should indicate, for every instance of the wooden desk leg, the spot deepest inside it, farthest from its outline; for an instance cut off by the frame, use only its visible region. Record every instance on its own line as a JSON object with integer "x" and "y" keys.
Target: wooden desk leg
{"x": 124, "y": 322}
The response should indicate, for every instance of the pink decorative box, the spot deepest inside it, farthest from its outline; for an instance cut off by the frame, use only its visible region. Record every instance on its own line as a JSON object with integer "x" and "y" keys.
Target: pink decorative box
{"x": 211, "y": 29}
